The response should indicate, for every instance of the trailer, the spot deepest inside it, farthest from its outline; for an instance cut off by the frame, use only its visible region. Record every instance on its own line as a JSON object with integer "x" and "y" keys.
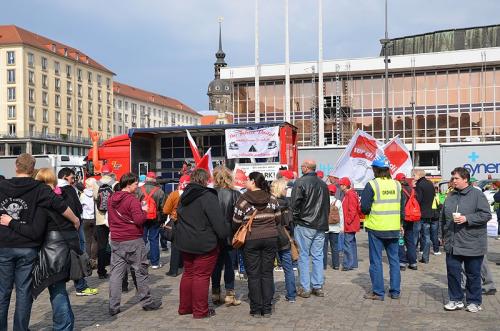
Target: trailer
{"x": 55, "y": 162}
{"x": 163, "y": 150}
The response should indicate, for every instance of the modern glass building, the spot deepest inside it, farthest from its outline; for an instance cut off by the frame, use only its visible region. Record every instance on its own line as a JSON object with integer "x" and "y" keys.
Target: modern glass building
{"x": 452, "y": 78}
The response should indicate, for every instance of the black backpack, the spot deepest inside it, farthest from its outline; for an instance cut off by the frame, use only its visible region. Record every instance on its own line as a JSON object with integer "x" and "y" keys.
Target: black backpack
{"x": 103, "y": 195}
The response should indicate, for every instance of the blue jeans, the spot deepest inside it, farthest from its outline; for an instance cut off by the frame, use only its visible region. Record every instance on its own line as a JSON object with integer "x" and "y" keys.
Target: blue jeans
{"x": 472, "y": 266}
{"x": 62, "y": 315}
{"x": 286, "y": 264}
{"x": 225, "y": 261}
{"x": 376, "y": 245}
{"x": 81, "y": 284}
{"x": 350, "y": 251}
{"x": 333, "y": 239}
{"x": 426, "y": 244}
{"x": 408, "y": 252}
{"x": 310, "y": 242}
{"x": 152, "y": 234}
{"x": 15, "y": 268}
{"x": 416, "y": 233}
{"x": 434, "y": 235}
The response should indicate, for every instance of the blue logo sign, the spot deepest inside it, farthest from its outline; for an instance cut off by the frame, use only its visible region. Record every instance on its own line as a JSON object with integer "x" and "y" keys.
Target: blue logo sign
{"x": 480, "y": 168}
{"x": 473, "y": 156}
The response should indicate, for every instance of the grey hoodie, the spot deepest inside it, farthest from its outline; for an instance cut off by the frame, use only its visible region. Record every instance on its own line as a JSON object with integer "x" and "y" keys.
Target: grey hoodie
{"x": 469, "y": 238}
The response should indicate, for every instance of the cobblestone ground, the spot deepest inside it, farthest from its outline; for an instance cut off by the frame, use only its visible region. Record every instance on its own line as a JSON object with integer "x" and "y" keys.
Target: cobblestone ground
{"x": 420, "y": 307}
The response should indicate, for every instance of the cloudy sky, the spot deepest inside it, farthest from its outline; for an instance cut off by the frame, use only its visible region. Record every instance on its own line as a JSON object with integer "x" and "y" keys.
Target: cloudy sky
{"x": 168, "y": 46}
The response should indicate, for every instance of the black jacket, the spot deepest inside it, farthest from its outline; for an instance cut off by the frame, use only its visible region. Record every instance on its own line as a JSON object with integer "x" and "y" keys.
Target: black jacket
{"x": 53, "y": 261}
{"x": 424, "y": 189}
{"x": 227, "y": 201}
{"x": 71, "y": 198}
{"x": 200, "y": 224}
{"x": 21, "y": 197}
{"x": 310, "y": 202}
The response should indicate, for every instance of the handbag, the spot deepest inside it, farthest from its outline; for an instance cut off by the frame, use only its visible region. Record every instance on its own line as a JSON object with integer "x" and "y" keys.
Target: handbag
{"x": 241, "y": 235}
{"x": 80, "y": 266}
{"x": 294, "y": 251}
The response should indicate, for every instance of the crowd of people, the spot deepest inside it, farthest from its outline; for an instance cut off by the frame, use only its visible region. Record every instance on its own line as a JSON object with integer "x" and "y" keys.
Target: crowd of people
{"x": 47, "y": 224}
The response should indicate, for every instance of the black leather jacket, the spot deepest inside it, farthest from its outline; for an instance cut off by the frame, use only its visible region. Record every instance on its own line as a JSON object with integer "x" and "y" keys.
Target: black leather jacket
{"x": 227, "y": 201}
{"x": 310, "y": 202}
{"x": 53, "y": 261}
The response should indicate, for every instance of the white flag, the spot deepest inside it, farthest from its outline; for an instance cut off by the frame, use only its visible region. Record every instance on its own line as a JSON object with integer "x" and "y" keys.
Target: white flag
{"x": 357, "y": 158}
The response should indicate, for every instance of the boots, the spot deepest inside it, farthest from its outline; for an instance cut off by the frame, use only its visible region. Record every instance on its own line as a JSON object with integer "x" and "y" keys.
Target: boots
{"x": 230, "y": 299}
{"x": 216, "y": 297}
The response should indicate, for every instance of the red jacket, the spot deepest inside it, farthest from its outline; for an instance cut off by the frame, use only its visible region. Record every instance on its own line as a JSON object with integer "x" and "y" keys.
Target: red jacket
{"x": 350, "y": 207}
{"x": 125, "y": 216}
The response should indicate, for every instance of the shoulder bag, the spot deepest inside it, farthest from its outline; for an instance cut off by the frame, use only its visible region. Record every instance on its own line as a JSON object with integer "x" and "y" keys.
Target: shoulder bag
{"x": 241, "y": 235}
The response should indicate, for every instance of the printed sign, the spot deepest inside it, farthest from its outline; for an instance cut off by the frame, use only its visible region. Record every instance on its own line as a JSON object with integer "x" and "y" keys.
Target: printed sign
{"x": 259, "y": 143}
{"x": 269, "y": 170}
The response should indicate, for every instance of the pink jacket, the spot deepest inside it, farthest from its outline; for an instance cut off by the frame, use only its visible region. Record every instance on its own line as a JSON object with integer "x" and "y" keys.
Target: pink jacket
{"x": 125, "y": 216}
{"x": 350, "y": 207}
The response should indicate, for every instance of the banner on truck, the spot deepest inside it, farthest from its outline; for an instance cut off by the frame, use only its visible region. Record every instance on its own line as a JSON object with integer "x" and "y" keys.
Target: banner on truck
{"x": 259, "y": 143}
{"x": 269, "y": 170}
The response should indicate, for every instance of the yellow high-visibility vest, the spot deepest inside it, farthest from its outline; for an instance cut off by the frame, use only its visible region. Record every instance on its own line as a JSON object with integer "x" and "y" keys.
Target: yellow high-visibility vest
{"x": 385, "y": 214}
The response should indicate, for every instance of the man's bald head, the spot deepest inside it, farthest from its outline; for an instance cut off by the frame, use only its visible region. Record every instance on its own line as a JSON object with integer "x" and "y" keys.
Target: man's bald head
{"x": 308, "y": 166}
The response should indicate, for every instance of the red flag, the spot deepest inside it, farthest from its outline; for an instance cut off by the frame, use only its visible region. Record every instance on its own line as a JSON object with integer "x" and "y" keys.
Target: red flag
{"x": 206, "y": 162}
{"x": 194, "y": 148}
{"x": 399, "y": 156}
{"x": 365, "y": 148}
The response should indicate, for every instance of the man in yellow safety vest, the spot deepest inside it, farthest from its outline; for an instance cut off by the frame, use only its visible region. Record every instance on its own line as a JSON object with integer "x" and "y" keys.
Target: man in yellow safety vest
{"x": 383, "y": 203}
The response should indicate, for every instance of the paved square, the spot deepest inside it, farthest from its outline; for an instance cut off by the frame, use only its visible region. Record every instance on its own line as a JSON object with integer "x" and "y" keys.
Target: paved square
{"x": 420, "y": 306}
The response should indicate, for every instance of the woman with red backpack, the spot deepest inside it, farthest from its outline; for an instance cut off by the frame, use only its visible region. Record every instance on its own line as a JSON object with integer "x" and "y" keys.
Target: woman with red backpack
{"x": 350, "y": 208}
{"x": 407, "y": 249}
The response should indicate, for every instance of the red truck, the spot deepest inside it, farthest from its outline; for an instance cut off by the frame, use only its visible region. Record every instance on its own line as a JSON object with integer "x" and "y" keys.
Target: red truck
{"x": 163, "y": 150}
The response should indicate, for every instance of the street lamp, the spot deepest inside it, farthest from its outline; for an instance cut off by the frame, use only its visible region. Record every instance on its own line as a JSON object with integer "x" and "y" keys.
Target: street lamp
{"x": 385, "y": 42}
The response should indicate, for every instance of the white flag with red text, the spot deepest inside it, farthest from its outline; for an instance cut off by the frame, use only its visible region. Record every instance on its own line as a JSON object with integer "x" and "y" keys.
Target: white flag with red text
{"x": 194, "y": 148}
{"x": 399, "y": 157}
{"x": 357, "y": 158}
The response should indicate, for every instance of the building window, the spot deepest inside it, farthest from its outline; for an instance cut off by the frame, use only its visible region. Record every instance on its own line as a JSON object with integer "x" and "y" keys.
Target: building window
{"x": 126, "y": 118}
{"x": 80, "y": 90}
{"x": 58, "y": 117}
{"x": 31, "y": 113}
{"x": 45, "y": 131}
{"x": 12, "y": 129}
{"x": 57, "y": 68}
{"x": 99, "y": 80}
{"x": 119, "y": 116}
{"x": 89, "y": 77}
{"x": 108, "y": 83}
{"x": 68, "y": 119}
{"x": 90, "y": 108}
{"x": 11, "y": 94}
{"x": 45, "y": 98}
{"x": 69, "y": 132}
{"x": 99, "y": 125}
{"x": 126, "y": 105}
{"x": 89, "y": 94}
{"x": 99, "y": 110}
{"x": 57, "y": 100}
{"x": 79, "y": 75}
{"x": 108, "y": 98}
{"x": 80, "y": 106}
{"x": 32, "y": 130}
{"x": 11, "y": 57}
{"x": 11, "y": 76}
{"x": 44, "y": 63}
{"x": 57, "y": 132}
{"x": 68, "y": 103}
{"x": 108, "y": 127}
{"x": 119, "y": 104}
{"x": 90, "y": 122}
{"x": 31, "y": 78}
{"x": 11, "y": 112}
{"x": 99, "y": 95}
{"x": 108, "y": 111}
{"x": 57, "y": 84}
{"x": 45, "y": 81}
{"x": 31, "y": 95}
{"x": 69, "y": 87}
{"x": 31, "y": 60}
{"x": 45, "y": 117}
{"x": 79, "y": 121}
{"x": 68, "y": 71}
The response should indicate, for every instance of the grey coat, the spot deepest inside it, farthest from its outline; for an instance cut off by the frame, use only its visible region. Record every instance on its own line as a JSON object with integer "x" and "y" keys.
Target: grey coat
{"x": 469, "y": 238}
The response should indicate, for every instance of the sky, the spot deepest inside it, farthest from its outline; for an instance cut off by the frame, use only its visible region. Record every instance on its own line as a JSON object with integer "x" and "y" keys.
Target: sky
{"x": 168, "y": 46}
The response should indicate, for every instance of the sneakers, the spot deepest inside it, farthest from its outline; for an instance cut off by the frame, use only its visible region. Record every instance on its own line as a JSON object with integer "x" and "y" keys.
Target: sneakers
{"x": 290, "y": 300}
{"x": 454, "y": 305}
{"x": 473, "y": 308}
{"x": 155, "y": 305}
{"x": 87, "y": 292}
{"x": 303, "y": 293}
{"x": 318, "y": 292}
{"x": 158, "y": 266}
{"x": 413, "y": 267}
{"x": 279, "y": 269}
{"x": 373, "y": 296}
{"x": 437, "y": 253}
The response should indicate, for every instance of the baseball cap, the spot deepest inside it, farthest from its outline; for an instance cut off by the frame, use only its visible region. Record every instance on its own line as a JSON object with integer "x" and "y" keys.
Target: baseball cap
{"x": 345, "y": 181}
{"x": 381, "y": 162}
{"x": 400, "y": 176}
{"x": 332, "y": 188}
{"x": 151, "y": 174}
{"x": 320, "y": 174}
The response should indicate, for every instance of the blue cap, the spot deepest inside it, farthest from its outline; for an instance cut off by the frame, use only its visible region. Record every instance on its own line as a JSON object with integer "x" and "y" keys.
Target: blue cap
{"x": 381, "y": 162}
{"x": 142, "y": 178}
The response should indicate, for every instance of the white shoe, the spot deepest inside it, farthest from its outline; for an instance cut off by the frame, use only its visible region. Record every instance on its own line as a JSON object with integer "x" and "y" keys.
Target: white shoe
{"x": 437, "y": 253}
{"x": 157, "y": 266}
{"x": 280, "y": 269}
{"x": 454, "y": 305}
{"x": 473, "y": 308}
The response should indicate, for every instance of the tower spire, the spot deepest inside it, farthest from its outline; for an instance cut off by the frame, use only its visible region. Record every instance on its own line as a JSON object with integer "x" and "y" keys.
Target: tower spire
{"x": 220, "y": 55}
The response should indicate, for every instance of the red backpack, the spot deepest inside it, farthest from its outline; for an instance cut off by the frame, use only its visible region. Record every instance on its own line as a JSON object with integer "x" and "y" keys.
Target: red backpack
{"x": 412, "y": 208}
{"x": 152, "y": 208}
